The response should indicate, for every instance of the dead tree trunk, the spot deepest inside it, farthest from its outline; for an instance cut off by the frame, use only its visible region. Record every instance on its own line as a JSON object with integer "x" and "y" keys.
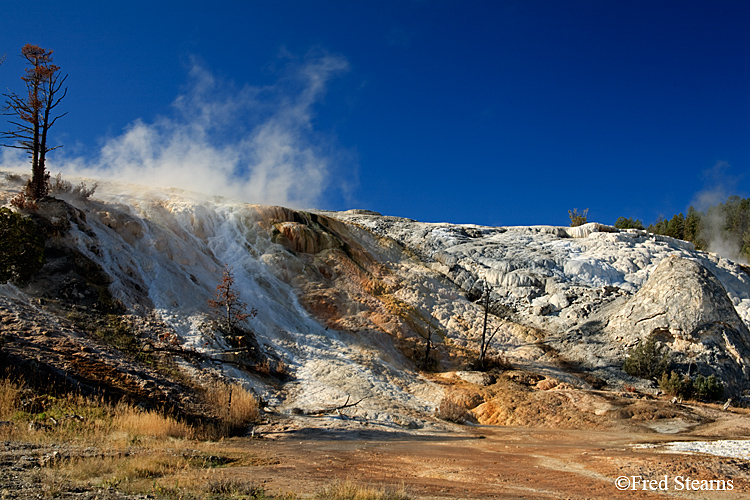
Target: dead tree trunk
{"x": 486, "y": 339}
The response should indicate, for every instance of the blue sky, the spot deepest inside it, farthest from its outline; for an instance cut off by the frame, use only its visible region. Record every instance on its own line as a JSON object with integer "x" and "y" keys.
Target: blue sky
{"x": 485, "y": 112}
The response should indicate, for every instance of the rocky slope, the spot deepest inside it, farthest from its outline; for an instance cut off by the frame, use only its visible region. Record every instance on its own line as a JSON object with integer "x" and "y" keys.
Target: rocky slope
{"x": 346, "y": 300}
{"x": 596, "y": 291}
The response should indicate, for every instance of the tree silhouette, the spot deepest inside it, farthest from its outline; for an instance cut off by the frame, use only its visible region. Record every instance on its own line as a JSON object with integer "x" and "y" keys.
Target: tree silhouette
{"x": 33, "y": 114}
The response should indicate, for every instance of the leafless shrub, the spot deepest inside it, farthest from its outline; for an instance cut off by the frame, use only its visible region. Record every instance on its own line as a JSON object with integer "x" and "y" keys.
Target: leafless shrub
{"x": 578, "y": 218}
{"x": 58, "y": 185}
{"x": 281, "y": 370}
{"x": 451, "y": 411}
{"x": 23, "y": 202}
{"x": 263, "y": 366}
{"x": 499, "y": 362}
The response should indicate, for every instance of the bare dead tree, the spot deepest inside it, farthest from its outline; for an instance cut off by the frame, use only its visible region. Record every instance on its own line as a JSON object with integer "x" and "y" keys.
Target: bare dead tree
{"x": 33, "y": 114}
{"x": 486, "y": 339}
{"x": 428, "y": 346}
{"x": 427, "y": 362}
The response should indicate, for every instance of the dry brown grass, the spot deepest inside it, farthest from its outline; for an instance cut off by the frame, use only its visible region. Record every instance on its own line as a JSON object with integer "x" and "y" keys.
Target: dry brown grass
{"x": 9, "y": 398}
{"x": 99, "y": 445}
{"x": 348, "y": 490}
{"x": 190, "y": 472}
{"x": 77, "y": 419}
{"x": 236, "y": 407}
{"x": 149, "y": 424}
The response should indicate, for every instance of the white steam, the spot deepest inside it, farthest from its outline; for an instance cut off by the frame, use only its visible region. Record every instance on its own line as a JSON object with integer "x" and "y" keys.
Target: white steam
{"x": 720, "y": 184}
{"x": 255, "y": 144}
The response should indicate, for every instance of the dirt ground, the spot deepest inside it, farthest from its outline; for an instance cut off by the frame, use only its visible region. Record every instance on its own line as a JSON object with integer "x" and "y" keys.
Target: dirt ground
{"x": 499, "y": 463}
{"x": 303, "y": 455}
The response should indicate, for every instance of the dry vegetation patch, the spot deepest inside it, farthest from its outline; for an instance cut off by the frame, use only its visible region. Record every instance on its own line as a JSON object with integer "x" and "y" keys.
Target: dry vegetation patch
{"x": 350, "y": 491}
{"x": 236, "y": 407}
{"x": 26, "y": 415}
{"x": 70, "y": 446}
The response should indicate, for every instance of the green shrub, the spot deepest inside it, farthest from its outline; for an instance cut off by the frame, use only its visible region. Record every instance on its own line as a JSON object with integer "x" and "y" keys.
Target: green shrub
{"x": 21, "y": 247}
{"x": 708, "y": 388}
{"x": 629, "y": 223}
{"x": 701, "y": 388}
{"x": 650, "y": 359}
{"x": 675, "y": 384}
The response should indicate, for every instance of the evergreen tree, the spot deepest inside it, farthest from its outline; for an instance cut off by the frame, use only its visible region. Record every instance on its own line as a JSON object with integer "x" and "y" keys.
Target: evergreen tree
{"x": 692, "y": 227}
{"x": 21, "y": 247}
{"x": 728, "y": 222}
{"x": 676, "y": 227}
{"x": 658, "y": 227}
{"x": 629, "y": 223}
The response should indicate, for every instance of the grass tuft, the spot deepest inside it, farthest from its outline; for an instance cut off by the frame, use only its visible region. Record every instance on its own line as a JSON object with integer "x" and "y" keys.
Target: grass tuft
{"x": 236, "y": 407}
{"x": 348, "y": 490}
{"x": 138, "y": 423}
{"x": 10, "y": 394}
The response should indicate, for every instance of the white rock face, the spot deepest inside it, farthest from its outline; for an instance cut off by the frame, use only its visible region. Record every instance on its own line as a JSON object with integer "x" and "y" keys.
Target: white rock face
{"x": 342, "y": 297}
{"x": 569, "y": 281}
{"x": 550, "y": 260}
{"x": 686, "y": 307}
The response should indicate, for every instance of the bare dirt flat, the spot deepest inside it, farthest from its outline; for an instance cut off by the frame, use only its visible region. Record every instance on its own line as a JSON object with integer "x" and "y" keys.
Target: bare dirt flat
{"x": 497, "y": 463}
{"x": 303, "y": 455}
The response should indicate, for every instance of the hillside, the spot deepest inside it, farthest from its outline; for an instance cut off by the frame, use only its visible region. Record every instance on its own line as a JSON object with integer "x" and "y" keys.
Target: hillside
{"x": 345, "y": 301}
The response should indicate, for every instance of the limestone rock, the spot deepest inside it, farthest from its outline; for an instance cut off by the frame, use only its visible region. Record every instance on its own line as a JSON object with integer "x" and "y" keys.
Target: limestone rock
{"x": 302, "y": 238}
{"x": 475, "y": 377}
{"x": 685, "y": 306}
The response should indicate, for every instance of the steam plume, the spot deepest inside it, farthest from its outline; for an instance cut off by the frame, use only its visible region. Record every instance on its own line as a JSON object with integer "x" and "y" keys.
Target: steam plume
{"x": 256, "y": 144}
{"x": 720, "y": 184}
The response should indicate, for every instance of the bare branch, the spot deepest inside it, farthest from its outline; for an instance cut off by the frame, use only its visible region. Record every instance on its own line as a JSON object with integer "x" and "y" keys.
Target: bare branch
{"x": 489, "y": 340}
{"x": 335, "y": 409}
